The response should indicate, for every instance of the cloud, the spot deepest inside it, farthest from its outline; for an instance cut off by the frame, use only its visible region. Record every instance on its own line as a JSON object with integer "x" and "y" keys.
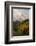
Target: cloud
{"x": 20, "y": 14}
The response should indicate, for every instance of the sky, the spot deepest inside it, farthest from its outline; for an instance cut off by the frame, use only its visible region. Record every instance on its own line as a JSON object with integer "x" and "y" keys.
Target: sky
{"x": 20, "y": 14}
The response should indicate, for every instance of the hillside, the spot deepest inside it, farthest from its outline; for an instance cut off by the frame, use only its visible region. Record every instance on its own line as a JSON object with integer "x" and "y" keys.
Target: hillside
{"x": 21, "y": 28}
